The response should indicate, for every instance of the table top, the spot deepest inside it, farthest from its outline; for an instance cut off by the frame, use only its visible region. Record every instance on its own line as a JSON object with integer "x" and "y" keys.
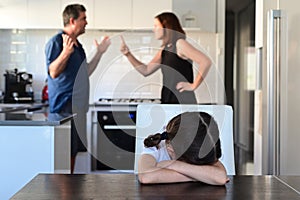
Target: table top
{"x": 126, "y": 186}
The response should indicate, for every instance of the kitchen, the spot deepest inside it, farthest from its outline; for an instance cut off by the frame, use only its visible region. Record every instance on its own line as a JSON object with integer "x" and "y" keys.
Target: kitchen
{"x": 116, "y": 76}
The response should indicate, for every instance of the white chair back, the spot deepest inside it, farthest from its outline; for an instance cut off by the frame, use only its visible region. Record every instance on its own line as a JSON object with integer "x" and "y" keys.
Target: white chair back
{"x": 153, "y": 118}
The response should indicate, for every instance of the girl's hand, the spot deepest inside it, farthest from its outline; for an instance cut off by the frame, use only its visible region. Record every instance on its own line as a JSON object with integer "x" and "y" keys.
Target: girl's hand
{"x": 124, "y": 48}
{"x": 185, "y": 86}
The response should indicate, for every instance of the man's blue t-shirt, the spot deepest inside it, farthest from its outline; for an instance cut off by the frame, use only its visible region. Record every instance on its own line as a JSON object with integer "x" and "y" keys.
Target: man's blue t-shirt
{"x": 72, "y": 85}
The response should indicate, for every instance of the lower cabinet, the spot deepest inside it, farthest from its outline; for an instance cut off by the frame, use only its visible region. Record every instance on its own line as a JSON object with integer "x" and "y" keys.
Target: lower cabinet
{"x": 26, "y": 151}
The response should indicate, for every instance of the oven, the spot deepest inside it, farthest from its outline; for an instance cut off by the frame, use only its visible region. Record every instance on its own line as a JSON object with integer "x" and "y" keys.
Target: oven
{"x": 114, "y": 137}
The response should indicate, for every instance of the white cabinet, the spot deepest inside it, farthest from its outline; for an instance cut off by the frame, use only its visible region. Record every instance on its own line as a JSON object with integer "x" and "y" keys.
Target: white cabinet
{"x": 89, "y": 6}
{"x": 128, "y": 14}
{"x": 26, "y": 151}
{"x": 44, "y": 14}
{"x": 144, "y": 11}
{"x": 113, "y": 14}
{"x": 200, "y": 14}
{"x": 13, "y": 13}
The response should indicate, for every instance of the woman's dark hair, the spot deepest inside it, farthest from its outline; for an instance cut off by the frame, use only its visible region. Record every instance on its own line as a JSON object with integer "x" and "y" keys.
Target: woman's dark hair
{"x": 172, "y": 28}
{"x": 194, "y": 137}
{"x": 72, "y": 11}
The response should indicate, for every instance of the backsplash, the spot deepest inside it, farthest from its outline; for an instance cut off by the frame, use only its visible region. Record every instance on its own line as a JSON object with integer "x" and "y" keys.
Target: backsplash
{"x": 114, "y": 77}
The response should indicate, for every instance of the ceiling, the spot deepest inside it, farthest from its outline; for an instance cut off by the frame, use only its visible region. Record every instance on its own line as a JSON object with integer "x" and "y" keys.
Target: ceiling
{"x": 237, "y": 5}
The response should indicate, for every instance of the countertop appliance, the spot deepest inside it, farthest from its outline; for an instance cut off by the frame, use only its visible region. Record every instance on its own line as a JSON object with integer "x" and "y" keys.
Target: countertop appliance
{"x": 114, "y": 137}
{"x": 18, "y": 87}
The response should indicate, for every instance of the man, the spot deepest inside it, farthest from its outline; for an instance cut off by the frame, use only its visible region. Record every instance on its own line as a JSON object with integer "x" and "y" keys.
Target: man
{"x": 68, "y": 74}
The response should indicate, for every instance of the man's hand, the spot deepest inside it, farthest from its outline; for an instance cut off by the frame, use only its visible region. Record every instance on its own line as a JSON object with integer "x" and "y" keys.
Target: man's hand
{"x": 103, "y": 46}
{"x": 68, "y": 44}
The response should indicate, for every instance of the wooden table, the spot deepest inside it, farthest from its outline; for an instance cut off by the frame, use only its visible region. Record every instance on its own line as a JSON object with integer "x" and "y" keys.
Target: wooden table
{"x": 126, "y": 186}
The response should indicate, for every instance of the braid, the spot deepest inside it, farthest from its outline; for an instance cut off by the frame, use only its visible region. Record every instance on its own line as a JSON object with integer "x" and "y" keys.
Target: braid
{"x": 154, "y": 140}
{"x": 169, "y": 134}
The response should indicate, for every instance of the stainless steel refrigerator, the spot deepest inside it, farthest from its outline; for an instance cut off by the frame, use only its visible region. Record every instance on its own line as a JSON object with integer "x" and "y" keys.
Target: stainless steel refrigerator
{"x": 277, "y": 111}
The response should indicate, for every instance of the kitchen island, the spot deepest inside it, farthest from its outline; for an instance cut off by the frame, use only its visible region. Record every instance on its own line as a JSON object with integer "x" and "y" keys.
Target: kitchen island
{"x": 32, "y": 143}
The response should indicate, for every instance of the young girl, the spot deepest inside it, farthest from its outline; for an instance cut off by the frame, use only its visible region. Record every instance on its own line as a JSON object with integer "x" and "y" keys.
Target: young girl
{"x": 188, "y": 150}
{"x": 175, "y": 59}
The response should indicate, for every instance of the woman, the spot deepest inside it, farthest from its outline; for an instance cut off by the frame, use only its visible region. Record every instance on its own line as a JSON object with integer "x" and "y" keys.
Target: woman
{"x": 188, "y": 150}
{"x": 175, "y": 60}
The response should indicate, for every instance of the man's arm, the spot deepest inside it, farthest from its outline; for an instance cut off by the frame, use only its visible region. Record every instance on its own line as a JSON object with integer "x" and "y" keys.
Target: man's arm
{"x": 214, "y": 174}
{"x": 59, "y": 64}
{"x": 101, "y": 48}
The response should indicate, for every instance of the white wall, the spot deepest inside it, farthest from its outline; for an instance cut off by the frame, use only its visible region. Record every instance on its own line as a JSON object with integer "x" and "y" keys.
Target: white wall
{"x": 114, "y": 77}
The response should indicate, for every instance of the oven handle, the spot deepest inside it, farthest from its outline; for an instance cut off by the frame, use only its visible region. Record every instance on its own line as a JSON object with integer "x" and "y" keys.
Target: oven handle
{"x": 119, "y": 127}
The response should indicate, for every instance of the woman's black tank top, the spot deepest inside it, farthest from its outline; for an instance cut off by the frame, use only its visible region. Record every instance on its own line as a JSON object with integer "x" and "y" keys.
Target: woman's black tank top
{"x": 175, "y": 70}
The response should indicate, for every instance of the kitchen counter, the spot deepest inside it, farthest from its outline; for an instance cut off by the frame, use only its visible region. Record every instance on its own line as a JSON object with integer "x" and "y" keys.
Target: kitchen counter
{"x": 11, "y": 107}
{"x": 33, "y": 119}
{"x": 32, "y": 143}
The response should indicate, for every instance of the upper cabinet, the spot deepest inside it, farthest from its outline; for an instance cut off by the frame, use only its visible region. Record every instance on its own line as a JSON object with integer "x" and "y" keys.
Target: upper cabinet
{"x": 13, "y": 13}
{"x": 197, "y": 14}
{"x": 144, "y": 11}
{"x": 44, "y": 15}
{"x": 128, "y": 14}
{"x": 113, "y": 14}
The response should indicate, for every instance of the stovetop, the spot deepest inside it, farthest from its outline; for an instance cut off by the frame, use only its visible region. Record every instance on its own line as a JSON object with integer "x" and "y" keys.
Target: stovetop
{"x": 124, "y": 101}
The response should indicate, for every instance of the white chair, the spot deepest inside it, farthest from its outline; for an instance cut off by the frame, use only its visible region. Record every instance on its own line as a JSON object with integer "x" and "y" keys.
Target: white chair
{"x": 152, "y": 118}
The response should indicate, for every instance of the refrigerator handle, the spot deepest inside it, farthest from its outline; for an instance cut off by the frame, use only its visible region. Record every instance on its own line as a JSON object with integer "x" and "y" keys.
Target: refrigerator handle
{"x": 258, "y": 69}
{"x": 273, "y": 88}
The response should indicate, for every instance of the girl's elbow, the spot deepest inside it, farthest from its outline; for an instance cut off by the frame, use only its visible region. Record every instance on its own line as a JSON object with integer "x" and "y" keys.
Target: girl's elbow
{"x": 221, "y": 180}
{"x": 145, "y": 178}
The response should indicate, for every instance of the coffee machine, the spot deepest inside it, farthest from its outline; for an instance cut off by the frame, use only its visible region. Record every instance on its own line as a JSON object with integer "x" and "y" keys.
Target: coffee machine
{"x": 18, "y": 87}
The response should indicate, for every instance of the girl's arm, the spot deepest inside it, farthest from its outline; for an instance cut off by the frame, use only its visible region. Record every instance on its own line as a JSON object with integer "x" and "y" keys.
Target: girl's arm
{"x": 214, "y": 174}
{"x": 186, "y": 51}
{"x": 149, "y": 172}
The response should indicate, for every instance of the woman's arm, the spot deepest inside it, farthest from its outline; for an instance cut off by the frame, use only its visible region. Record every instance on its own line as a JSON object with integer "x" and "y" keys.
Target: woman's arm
{"x": 186, "y": 51}
{"x": 149, "y": 172}
{"x": 144, "y": 69}
{"x": 214, "y": 174}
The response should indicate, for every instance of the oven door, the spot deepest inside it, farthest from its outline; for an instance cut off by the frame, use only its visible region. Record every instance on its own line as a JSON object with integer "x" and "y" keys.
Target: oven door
{"x": 115, "y": 140}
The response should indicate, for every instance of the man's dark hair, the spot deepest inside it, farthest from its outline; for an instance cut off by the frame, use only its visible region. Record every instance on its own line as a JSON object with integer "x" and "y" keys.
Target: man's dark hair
{"x": 72, "y": 11}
